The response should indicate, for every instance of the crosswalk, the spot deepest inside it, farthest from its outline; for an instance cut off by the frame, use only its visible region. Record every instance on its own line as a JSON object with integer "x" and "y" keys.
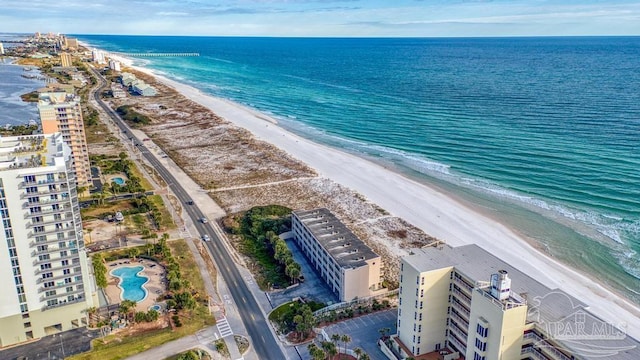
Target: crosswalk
{"x": 224, "y": 328}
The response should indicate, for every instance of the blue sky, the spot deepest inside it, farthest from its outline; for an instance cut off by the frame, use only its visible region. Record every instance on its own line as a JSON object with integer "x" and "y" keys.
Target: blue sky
{"x": 323, "y": 17}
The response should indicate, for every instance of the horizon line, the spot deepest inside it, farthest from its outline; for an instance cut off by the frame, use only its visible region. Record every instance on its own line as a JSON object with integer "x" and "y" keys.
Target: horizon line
{"x": 340, "y": 37}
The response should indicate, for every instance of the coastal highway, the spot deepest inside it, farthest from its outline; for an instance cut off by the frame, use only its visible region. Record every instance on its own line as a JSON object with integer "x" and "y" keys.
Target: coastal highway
{"x": 261, "y": 337}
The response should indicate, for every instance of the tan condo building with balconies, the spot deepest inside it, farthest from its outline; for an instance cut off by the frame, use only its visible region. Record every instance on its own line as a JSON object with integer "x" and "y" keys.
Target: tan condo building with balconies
{"x": 61, "y": 112}
{"x": 465, "y": 303}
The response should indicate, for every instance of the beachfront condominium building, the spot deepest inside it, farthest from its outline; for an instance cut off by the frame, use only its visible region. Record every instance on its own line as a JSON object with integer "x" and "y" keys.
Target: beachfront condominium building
{"x": 70, "y": 43}
{"x": 61, "y": 112}
{"x": 1, "y": 49}
{"x": 466, "y": 303}
{"x": 43, "y": 264}
{"x": 66, "y": 60}
{"x": 97, "y": 56}
{"x": 350, "y": 268}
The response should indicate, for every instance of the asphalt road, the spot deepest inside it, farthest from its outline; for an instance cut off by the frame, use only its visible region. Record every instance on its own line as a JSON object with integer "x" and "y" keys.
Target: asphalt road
{"x": 261, "y": 337}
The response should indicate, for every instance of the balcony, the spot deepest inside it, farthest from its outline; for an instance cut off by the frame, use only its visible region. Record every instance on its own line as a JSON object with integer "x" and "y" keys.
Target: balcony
{"x": 52, "y": 241}
{"x": 69, "y": 256}
{"x": 456, "y": 330}
{"x": 63, "y": 221}
{"x": 531, "y": 338}
{"x": 468, "y": 289}
{"x": 532, "y": 353}
{"x": 29, "y": 215}
{"x": 58, "y": 277}
{"x": 461, "y": 309}
{"x": 60, "y": 181}
{"x": 57, "y": 296}
{"x": 460, "y": 320}
{"x": 457, "y": 344}
{"x": 550, "y": 352}
{"x": 56, "y": 268}
{"x": 50, "y": 231}
{"x": 60, "y": 285}
{"x": 66, "y": 302}
{"x": 466, "y": 299}
{"x": 62, "y": 189}
{"x": 53, "y": 250}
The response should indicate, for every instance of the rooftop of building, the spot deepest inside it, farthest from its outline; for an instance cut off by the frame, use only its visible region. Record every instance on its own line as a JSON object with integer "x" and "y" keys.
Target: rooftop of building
{"x": 343, "y": 245}
{"x": 56, "y": 97}
{"x": 554, "y": 311}
{"x": 30, "y": 151}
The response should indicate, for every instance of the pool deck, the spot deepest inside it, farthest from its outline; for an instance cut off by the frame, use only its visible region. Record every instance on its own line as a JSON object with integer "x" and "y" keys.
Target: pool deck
{"x": 155, "y": 286}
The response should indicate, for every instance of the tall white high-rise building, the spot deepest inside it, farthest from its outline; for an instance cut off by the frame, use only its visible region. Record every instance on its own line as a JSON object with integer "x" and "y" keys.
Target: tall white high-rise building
{"x": 97, "y": 56}
{"x": 46, "y": 279}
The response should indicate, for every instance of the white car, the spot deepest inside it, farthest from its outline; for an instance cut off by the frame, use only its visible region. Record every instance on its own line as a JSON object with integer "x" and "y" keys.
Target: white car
{"x": 205, "y": 237}
{"x": 204, "y": 220}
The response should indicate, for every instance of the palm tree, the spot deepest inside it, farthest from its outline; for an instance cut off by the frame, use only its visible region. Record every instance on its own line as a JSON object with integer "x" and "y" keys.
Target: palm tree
{"x": 315, "y": 352}
{"x": 335, "y": 338}
{"x": 89, "y": 231}
{"x": 330, "y": 349}
{"x": 126, "y": 307}
{"x": 345, "y": 339}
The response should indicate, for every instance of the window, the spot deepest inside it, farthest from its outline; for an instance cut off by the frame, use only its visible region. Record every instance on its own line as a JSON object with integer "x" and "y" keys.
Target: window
{"x": 27, "y": 324}
{"x": 422, "y": 281}
{"x": 421, "y": 292}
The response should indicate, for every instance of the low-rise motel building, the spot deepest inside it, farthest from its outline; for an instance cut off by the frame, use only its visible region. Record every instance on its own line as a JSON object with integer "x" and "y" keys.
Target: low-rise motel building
{"x": 465, "y": 303}
{"x": 46, "y": 279}
{"x": 350, "y": 268}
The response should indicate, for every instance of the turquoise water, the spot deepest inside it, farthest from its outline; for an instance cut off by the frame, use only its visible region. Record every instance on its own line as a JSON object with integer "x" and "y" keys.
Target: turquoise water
{"x": 131, "y": 284}
{"x": 543, "y": 132}
{"x": 118, "y": 180}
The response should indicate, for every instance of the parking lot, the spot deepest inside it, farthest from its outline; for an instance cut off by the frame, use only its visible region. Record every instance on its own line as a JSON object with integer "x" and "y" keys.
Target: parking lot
{"x": 313, "y": 287}
{"x": 363, "y": 331}
{"x": 53, "y": 347}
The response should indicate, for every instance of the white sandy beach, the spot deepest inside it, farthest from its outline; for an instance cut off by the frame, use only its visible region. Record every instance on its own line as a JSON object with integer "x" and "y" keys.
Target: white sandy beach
{"x": 430, "y": 210}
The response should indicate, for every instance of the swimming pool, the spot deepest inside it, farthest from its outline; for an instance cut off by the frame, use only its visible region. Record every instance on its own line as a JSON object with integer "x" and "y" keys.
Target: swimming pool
{"x": 131, "y": 284}
{"x": 118, "y": 180}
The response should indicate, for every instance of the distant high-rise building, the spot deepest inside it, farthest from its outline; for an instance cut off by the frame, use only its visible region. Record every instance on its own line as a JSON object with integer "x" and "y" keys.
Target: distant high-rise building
{"x": 114, "y": 65}
{"x": 97, "y": 56}
{"x": 46, "y": 279}
{"x": 1, "y": 49}
{"x": 61, "y": 112}
{"x": 66, "y": 60}
{"x": 71, "y": 43}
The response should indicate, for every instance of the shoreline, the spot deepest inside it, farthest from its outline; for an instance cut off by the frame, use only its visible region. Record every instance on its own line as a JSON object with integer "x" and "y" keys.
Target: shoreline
{"x": 446, "y": 216}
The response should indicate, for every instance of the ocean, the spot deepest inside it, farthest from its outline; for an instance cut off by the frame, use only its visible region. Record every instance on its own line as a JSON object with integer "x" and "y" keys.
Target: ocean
{"x": 541, "y": 133}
